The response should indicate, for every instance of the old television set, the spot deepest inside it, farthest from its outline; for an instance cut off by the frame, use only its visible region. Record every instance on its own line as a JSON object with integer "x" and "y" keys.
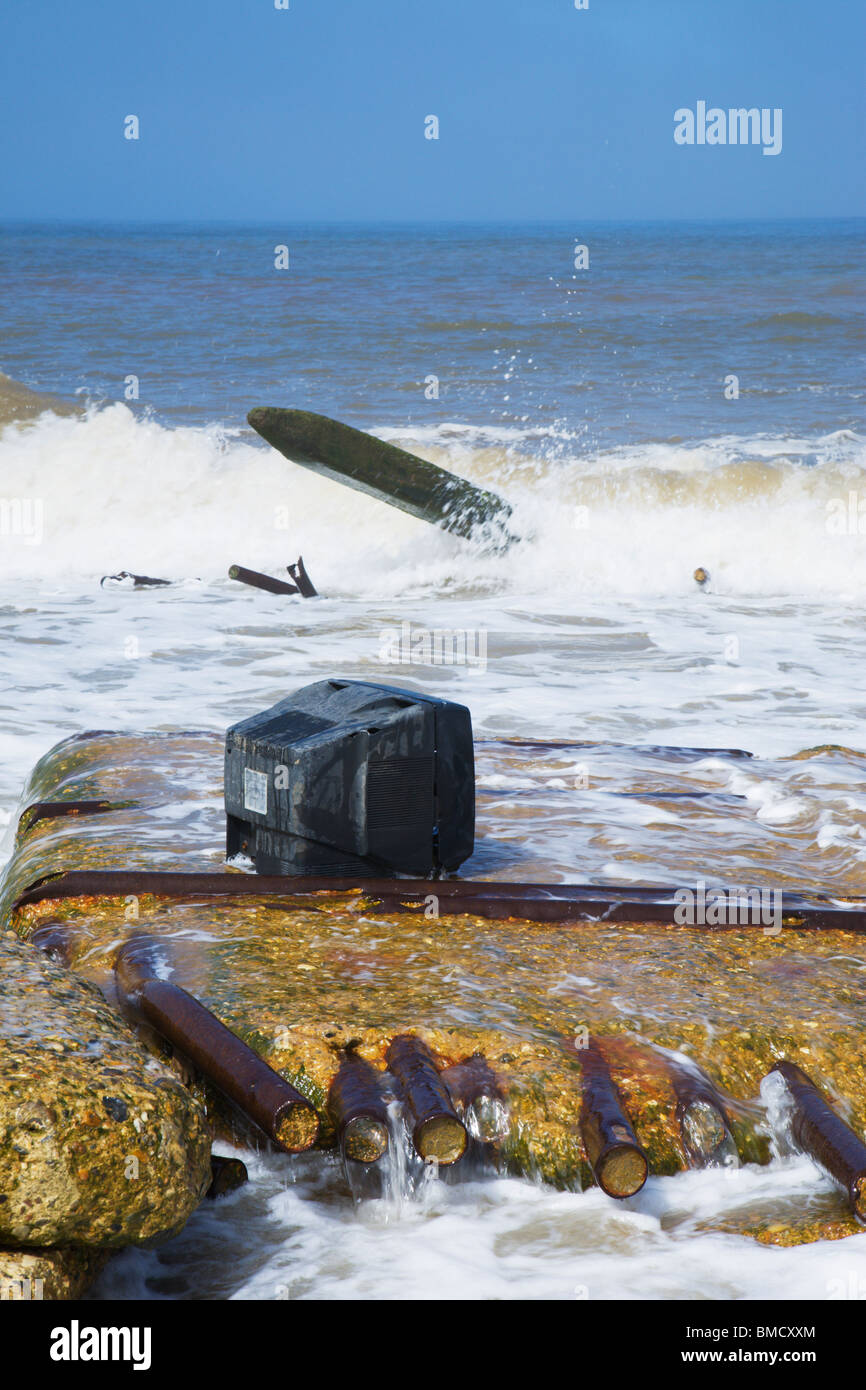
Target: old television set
{"x": 348, "y": 778}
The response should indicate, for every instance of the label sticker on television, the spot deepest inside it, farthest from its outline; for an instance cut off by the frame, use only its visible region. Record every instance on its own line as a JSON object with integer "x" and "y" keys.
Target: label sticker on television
{"x": 256, "y": 791}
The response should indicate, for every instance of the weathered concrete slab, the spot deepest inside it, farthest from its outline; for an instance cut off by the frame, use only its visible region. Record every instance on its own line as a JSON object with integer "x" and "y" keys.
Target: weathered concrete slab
{"x": 61, "y": 1273}
{"x": 304, "y": 980}
{"x": 99, "y": 1143}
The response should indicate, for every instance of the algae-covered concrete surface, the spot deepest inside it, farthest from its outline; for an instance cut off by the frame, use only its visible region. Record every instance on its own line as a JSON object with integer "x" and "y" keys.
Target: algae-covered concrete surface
{"x": 302, "y": 979}
{"x": 300, "y": 983}
{"x": 100, "y": 1145}
{"x": 63, "y": 1272}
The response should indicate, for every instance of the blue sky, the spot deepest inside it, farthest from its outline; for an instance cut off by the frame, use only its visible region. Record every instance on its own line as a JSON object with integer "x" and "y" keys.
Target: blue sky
{"x": 250, "y": 113}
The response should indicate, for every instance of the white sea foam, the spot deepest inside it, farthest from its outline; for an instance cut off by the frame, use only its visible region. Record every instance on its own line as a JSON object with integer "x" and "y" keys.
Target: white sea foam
{"x": 492, "y": 1238}
{"x": 121, "y": 491}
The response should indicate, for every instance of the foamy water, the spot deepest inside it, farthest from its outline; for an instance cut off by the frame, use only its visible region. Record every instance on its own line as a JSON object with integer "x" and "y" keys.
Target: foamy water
{"x": 295, "y": 1232}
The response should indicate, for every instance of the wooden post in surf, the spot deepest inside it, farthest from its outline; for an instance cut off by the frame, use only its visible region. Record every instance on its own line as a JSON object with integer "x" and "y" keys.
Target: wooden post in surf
{"x": 385, "y": 472}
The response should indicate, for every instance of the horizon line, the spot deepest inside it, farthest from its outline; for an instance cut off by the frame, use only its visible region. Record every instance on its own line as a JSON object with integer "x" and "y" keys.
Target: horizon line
{"x": 93, "y": 221}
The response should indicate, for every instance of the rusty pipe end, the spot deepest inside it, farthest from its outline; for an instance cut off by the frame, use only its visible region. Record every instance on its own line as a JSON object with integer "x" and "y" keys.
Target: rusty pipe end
{"x": 621, "y": 1170}
{"x": 478, "y": 1098}
{"x": 437, "y": 1130}
{"x": 357, "y": 1110}
{"x": 227, "y": 1174}
{"x": 296, "y": 1126}
{"x": 56, "y": 939}
{"x": 706, "y": 1136}
{"x": 442, "y": 1137}
{"x": 365, "y": 1139}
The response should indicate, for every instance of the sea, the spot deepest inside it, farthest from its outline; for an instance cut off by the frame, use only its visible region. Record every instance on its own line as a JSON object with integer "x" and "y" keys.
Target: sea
{"x": 652, "y": 399}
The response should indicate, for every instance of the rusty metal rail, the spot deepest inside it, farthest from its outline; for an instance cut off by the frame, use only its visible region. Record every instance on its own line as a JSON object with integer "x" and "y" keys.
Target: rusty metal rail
{"x": 534, "y": 902}
{"x": 51, "y": 810}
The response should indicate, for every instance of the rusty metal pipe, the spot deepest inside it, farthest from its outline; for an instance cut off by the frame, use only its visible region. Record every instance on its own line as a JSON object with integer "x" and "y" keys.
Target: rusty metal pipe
{"x": 476, "y": 1093}
{"x": 50, "y": 810}
{"x": 437, "y": 1130}
{"x": 357, "y": 1110}
{"x": 618, "y": 1162}
{"x": 818, "y": 1131}
{"x": 306, "y": 587}
{"x": 261, "y": 581}
{"x": 227, "y": 1174}
{"x": 56, "y": 939}
{"x": 260, "y": 1093}
{"x": 702, "y": 1118}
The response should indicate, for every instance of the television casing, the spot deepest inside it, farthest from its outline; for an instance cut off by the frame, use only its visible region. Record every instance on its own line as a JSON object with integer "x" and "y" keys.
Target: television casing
{"x": 352, "y": 779}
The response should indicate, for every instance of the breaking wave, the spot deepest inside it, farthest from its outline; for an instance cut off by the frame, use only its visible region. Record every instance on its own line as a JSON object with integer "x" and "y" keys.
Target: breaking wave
{"x": 109, "y": 489}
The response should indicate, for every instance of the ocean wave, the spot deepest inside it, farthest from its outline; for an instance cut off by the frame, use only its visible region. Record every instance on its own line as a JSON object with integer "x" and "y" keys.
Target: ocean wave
{"x": 112, "y": 489}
